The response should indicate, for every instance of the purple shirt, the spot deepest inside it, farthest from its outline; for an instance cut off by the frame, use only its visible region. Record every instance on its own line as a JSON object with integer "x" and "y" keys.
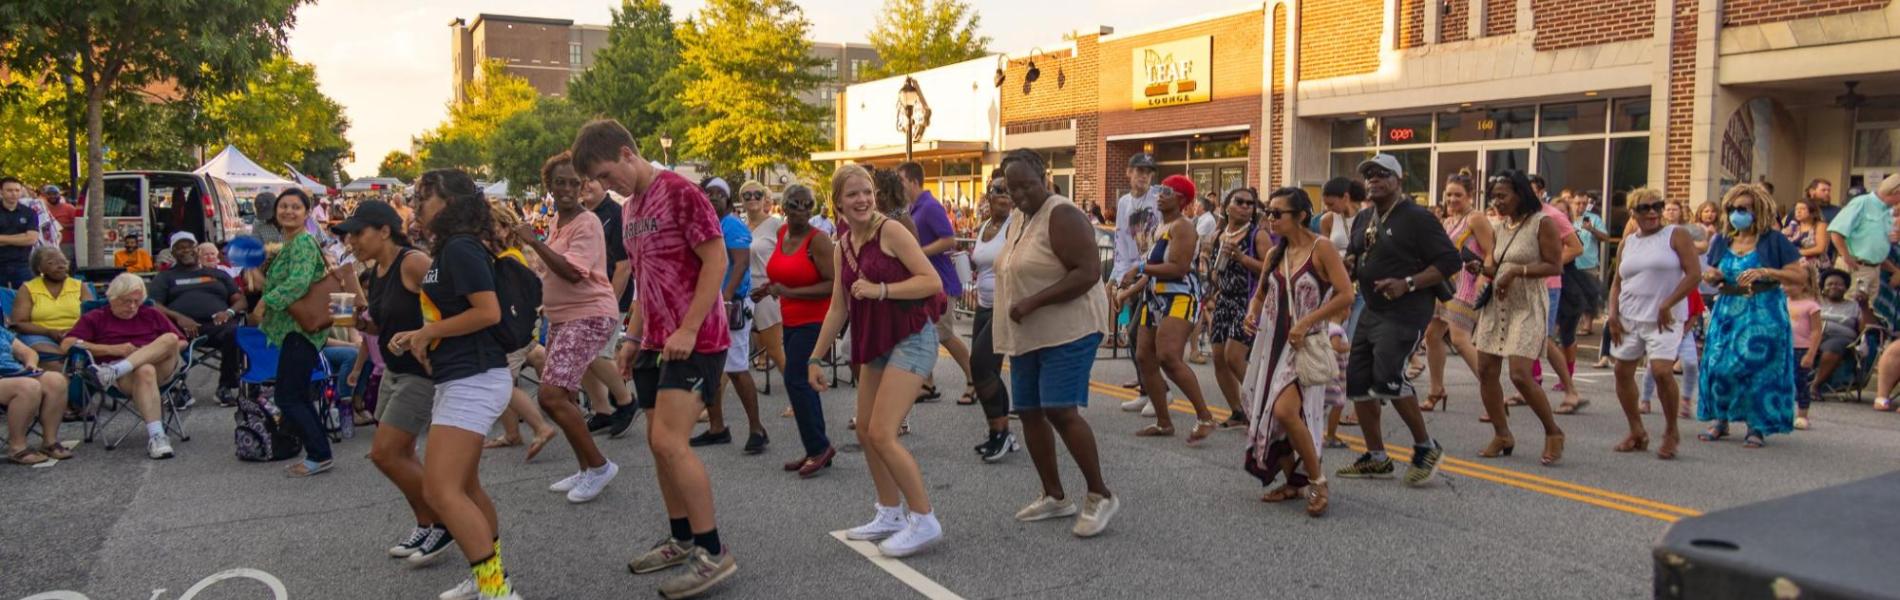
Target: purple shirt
{"x": 934, "y": 224}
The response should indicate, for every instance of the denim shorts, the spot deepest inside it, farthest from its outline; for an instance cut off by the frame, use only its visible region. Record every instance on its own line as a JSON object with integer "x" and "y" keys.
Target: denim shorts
{"x": 1053, "y": 377}
{"x": 34, "y": 339}
{"x": 472, "y": 403}
{"x": 916, "y": 354}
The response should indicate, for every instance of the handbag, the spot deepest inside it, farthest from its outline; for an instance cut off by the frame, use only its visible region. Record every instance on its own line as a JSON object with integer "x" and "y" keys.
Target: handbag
{"x": 312, "y": 311}
{"x": 1313, "y": 360}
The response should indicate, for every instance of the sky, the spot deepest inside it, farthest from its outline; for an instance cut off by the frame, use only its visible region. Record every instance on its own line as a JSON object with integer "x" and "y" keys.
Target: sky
{"x": 387, "y": 61}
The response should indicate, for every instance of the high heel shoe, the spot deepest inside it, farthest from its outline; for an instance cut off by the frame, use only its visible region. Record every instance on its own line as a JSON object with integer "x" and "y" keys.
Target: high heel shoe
{"x": 1553, "y": 449}
{"x": 1632, "y": 443}
{"x": 1500, "y": 446}
{"x": 1438, "y": 401}
{"x": 1667, "y": 451}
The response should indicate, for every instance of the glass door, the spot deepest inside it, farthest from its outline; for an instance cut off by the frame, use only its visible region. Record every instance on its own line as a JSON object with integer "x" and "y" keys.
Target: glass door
{"x": 1232, "y": 178}
{"x": 1479, "y": 160}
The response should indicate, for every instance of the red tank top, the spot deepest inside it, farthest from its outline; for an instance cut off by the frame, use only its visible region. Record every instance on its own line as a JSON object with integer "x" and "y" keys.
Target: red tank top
{"x": 797, "y": 270}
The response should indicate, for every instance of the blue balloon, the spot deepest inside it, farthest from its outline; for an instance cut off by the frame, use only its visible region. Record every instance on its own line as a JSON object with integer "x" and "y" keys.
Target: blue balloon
{"x": 246, "y": 252}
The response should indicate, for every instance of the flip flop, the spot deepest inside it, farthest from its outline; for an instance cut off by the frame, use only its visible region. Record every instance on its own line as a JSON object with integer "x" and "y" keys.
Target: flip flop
{"x": 1155, "y": 431}
{"x": 56, "y": 451}
{"x": 500, "y": 442}
{"x": 307, "y": 468}
{"x": 536, "y": 446}
{"x": 968, "y": 398}
{"x": 27, "y": 456}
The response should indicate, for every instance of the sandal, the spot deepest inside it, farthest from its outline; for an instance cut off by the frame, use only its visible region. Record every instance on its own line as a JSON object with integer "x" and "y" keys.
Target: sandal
{"x": 1715, "y": 433}
{"x": 1349, "y": 420}
{"x": 1571, "y": 409}
{"x": 1283, "y": 494}
{"x": 1553, "y": 449}
{"x": 1435, "y": 401}
{"x": 929, "y": 394}
{"x": 56, "y": 451}
{"x": 1632, "y": 443}
{"x": 1200, "y": 432}
{"x": 1156, "y": 431}
{"x": 968, "y": 398}
{"x": 307, "y": 468}
{"x": 1335, "y": 443}
{"x": 1317, "y": 498}
{"x": 27, "y": 456}
{"x": 1754, "y": 440}
{"x": 1235, "y": 421}
{"x": 1668, "y": 449}
{"x": 500, "y": 442}
{"x": 1514, "y": 401}
{"x": 1643, "y": 408}
{"x": 1884, "y": 405}
{"x": 539, "y": 442}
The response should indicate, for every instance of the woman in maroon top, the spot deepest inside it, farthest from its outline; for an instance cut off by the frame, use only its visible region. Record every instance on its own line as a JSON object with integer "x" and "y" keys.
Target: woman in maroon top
{"x": 893, "y": 298}
{"x": 799, "y": 274}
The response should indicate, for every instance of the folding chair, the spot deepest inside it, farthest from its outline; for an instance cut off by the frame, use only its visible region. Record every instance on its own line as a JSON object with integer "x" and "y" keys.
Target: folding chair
{"x": 173, "y": 394}
{"x": 260, "y": 369}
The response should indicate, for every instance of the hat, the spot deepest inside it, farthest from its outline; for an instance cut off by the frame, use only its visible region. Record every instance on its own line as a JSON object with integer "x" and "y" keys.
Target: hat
{"x": 1180, "y": 184}
{"x": 1385, "y": 161}
{"x": 51, "y": 189}
{"x": 1141, "y": 160}
{"x": 369, "y": 213}
{"x": 182, "y": 235}
{"x": 719, "y": 184}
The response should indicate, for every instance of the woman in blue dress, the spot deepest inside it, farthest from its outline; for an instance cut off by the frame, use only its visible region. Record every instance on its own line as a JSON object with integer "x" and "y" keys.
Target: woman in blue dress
{"x": 1748, "y": 369}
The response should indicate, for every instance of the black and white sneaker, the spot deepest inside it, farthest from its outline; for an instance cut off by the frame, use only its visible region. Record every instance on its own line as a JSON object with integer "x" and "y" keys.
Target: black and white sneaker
{"x": 621, "y": 420}
{"x": 408, "y": 546}
{"x": 597, "y": 422}
{"x": 437, "y": 542}
{"x": 999, "y": 446}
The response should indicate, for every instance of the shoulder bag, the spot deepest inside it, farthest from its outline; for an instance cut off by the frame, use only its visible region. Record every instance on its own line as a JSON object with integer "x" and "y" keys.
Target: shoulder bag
{"x": 1313, "y": 360}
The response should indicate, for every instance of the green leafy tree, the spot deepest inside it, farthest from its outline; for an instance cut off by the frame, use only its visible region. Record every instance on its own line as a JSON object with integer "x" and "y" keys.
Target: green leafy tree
{"x": 526, "y": 140}
{"x": 113, "y": 48}
{"x": 400, "y": 165}
{"x": 632, "y": 79}
{"x": 746, "y": 63}
{"x": 460, "y": 142}
{"x": 33, "y": 117}
{"x": 279, "y": 117}
{"x": 914, "y": 35}
{"x": 434, "y": 151}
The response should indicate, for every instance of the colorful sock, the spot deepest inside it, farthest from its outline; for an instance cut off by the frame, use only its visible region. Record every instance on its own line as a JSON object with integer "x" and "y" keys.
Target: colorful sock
{"x": 709, "y": 541}
{"x": 682, "y": 530}
{"x": 489, "y": 577}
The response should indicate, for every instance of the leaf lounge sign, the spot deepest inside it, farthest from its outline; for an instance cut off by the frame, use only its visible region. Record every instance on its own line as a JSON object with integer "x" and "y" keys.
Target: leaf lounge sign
{"x": 1173, "y": 73}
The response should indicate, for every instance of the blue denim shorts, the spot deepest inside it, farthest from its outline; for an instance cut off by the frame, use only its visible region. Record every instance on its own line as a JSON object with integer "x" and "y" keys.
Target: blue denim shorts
{"x": 1053, "y": 377}
{"x": 31, "y": 339}
{"x": 1556, "y": 298}
{"x": 916, "y": 354}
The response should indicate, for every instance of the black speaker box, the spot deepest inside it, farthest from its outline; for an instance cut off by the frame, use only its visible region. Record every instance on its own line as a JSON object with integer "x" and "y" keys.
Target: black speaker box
{"x": 1839, "y": 542}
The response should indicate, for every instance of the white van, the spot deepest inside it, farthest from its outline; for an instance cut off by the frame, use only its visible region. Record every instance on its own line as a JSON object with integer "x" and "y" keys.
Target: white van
{"x": 158, "y": 204}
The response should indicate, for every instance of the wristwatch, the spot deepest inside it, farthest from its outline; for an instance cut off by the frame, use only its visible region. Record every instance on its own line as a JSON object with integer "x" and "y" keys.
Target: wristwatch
{"x": 1410, "y": 285}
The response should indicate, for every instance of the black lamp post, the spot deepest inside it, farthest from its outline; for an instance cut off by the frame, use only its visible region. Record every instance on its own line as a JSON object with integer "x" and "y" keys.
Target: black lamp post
{"x": 666, "y": 150}
{"x": 913, "y": 114}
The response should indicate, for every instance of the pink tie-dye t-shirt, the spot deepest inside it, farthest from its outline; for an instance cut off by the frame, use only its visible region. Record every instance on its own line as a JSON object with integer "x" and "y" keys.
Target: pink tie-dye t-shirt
{"x": 662, "y": 226}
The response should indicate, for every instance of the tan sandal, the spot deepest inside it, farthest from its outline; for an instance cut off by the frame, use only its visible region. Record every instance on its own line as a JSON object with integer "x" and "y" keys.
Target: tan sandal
{"x": 1201, "y": 431}
{"x": 1155, "y": 431}
{"x": 27, "y": 456}
{"x": 1282, "y": 494}
{"x": 1318, "y": 497}
{"x": 56, "y": 451}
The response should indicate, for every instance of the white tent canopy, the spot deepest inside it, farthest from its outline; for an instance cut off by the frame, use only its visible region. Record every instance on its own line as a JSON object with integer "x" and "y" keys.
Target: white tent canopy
{"x": 498, "y": 190}
{"x": 310, "y": 185}
{"x": 370, "y": 184}
{"x": 242, "y": 173}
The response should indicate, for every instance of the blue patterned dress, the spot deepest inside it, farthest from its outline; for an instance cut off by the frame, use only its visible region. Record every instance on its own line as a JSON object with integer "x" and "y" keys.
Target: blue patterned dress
{"x": 1748, "y": 368}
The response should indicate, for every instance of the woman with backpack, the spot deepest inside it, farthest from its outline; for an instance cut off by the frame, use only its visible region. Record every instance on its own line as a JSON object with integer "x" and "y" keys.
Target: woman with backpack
{"x": 287, "y": 277}
{"x": 374, "y": 233}
{"x": 579, "y": 304}
{"x": 459, "y": 344}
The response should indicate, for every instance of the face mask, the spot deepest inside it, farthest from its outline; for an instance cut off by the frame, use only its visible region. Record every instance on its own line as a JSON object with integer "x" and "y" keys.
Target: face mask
{"x": 1741, "y": 220}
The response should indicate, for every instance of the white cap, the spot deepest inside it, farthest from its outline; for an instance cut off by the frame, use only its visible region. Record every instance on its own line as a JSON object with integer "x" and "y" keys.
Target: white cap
{"x": 182, "y": 235}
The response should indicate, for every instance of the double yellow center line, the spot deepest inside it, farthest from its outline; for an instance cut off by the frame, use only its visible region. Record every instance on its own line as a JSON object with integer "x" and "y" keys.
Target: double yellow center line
{"x": 1544, "y": 485}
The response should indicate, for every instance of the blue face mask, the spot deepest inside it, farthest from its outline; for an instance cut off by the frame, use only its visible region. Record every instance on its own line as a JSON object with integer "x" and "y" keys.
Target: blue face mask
{"x": 1741, "y": 220}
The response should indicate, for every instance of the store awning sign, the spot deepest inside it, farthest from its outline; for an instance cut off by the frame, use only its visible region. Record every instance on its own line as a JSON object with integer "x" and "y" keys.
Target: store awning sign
{"x": 1173, "y": 73}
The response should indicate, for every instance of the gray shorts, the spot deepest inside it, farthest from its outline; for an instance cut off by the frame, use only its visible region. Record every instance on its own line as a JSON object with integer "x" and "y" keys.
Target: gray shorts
{"x": 403, "y": 401}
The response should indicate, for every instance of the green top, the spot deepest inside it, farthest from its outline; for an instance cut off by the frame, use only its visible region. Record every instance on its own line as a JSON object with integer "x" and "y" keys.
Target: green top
{"x": 298, "y": 265}
{"x": 1865, "y": 223}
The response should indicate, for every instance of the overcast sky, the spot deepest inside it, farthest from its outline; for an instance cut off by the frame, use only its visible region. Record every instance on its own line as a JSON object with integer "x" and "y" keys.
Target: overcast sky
{"x": 387, "y": 61}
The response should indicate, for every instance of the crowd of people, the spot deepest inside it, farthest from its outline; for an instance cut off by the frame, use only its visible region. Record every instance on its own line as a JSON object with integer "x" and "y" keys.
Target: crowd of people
{"x": 630, "y": 289}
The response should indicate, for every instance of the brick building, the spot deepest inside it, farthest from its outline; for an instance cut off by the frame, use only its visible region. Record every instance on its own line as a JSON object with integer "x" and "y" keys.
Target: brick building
{"x": 546, "y": 52}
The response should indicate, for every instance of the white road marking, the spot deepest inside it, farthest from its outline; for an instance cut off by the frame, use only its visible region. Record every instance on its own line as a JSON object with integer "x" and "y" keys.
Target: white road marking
{"x": 916, "y": 581}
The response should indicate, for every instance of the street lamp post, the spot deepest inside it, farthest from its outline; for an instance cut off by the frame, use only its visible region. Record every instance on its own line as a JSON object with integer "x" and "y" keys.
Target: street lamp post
{"x": 666, "y": 150}
{"x": 914, "y": 114}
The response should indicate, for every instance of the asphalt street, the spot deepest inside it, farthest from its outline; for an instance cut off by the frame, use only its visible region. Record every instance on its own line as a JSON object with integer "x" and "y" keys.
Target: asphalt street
{"x": 115, "y": 525}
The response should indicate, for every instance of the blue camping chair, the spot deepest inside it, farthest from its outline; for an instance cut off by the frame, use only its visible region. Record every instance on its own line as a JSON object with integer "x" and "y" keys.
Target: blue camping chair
{"x": 260, "y": 369}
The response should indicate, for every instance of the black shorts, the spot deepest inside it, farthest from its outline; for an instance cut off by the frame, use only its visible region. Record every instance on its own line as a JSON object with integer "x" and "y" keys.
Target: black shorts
{"x": 699, "y": 373}
{"x": 1381, "y": 347}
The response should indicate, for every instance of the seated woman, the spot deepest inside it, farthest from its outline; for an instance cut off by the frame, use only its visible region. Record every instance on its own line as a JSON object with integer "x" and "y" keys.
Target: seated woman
{"x": 1842, "y": 325}
{"x": 48, "y": 305}
{"x": 134, "y": 347}
{"x": 28, "y": 392}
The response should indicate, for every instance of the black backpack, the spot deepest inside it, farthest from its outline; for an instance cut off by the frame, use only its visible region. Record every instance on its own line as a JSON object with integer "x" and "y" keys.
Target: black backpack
{"x": 518, "y": 291}
{"x": 259, "y": 436}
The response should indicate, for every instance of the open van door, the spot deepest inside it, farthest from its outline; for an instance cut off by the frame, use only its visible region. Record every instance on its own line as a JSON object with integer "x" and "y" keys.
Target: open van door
{"x": 122, "y": 208}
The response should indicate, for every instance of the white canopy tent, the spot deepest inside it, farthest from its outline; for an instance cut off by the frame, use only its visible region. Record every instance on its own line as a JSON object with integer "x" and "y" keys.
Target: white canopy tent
{"x": 244, "y": 175}
{"x": 375, "y": 184}
{"x": 497, "y": 190}
{"x": 310, "y": 185}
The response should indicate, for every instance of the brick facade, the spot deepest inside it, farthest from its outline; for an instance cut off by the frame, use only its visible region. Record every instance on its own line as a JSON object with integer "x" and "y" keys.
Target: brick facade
{"x": 1067, "y": 90}
{"x": 1340, "y": 37}
{"x": 1412, "y": 22}
{"x": 1751, "y": 12}
{"x": 1681, "y": 112}
{"x": 1500, "y": 17}
{"x": 1235, "y": 81}
{"x": 1455, "y": 26}
{"x": 1276, "y": 148}
{"x": 1571, "y": 23}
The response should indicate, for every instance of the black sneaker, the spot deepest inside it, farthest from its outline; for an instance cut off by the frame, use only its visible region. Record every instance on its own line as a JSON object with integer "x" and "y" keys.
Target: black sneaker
{"x": 622, "y": 419}
{"x": 709, "y": 438}
{"x": 1367, "y": 468}
{"x": 755, "y": 443}
{"x": 999, "y": 446}
{"x": 227, "y": 397}
{"x": 1424, "y": 464}
{"x": 597, "y": 422}
{"x": 434, "y": 545}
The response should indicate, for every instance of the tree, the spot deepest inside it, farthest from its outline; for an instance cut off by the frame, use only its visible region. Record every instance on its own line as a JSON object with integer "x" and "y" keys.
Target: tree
{"x": 113, "y": 48}
{"x": 454, "y": 151}
{"x": 526, "y": 140}
{"x": 914, "y": 35}
{"x": 400, "y": 165}
{"x": 746, "y": 63}
{"x": 459, "y": 142}
{"x": 34, "y": 145}
{"x": 279, "y": 117}
{"x": 630, "y": 80}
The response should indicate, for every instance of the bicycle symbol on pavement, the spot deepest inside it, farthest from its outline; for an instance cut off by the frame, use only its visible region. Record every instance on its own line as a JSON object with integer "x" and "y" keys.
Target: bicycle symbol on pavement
{"x": 276, "y": 587}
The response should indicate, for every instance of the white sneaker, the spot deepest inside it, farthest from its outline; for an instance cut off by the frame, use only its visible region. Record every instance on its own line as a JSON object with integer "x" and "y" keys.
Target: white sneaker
{"x": 920, "y": 533}
{"x": 1096, "y": 511}
{"x": 158, "y": 447}
{"x": 592, "y": 484}
{"x": 467, "y": 591}
{"x": 1046, "y": 507}
{"x": 888, "y": 522}
{"x": 1134, "y": 405}
{"x": 104, "y": 375}
{"x": 567, "y": 485}
{"x": 408, "y": 546}
{"x": 1149, "y": 410}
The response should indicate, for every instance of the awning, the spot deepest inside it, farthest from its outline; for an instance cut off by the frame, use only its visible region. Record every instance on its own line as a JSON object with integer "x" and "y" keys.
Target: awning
{"x": 923, "y": 149}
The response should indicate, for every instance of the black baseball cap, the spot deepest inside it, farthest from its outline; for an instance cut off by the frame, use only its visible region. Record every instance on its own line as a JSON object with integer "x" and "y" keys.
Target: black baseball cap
{"x": 1141, "y": 160}
{"x": 369, "y": 213}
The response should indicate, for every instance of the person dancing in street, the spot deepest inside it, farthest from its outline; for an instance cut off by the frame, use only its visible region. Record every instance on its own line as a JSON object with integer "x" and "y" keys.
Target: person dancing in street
{"x": 1749, "y": 374}
{"x": 985, "y": 363}
{"x": 1236, "y": 271}
{"x": 1512, "y": 324}
{"x": 1649, "y": 316}
{"x": 736, "y": 287}
{"x": 1471, "y": 232}
{"x": 1054, "y": 315}
{"x": 1169, "y": 319}
{"x": 891, "y": 295}
{"x": 1303, "y": 290}
{"x": 768, "y": 320}
{"x": 799, "y": 274}
{"x": 678, "y": 340}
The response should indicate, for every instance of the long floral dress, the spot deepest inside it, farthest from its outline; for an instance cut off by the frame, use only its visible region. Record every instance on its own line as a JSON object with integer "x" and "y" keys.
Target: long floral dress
{"x": 1270, "y": 370}
{"x": 1748, "y": 368}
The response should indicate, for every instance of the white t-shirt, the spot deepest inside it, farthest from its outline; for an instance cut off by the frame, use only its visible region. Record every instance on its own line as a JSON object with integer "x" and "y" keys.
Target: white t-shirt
{"x": 764, "y": 241}
{"x": 1204, "y": 227}
{"x": 983, "y": 258}
{"x": 1135, "y": 223}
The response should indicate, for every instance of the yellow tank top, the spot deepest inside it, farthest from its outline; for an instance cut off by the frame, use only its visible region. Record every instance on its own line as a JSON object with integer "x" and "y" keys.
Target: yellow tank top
{"x": 54, "y": 313}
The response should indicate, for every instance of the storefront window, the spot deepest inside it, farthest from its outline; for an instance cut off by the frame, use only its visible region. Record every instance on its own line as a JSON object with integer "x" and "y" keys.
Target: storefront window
{"x": 1631, "y": 114}
{"x": 1353, "y": 133}
{"x": 1344, "y": 163}
{"x": 1173, "y": 151}
{"x": 1418, "y": 171}
{"x": 1574, "y": 118}
{"x": 1062, "y": 159}
{"x": 1576, "y": 165}
{"x": 1491, "y": 124}
{"x": 1410, "y": 129}
{"x": 1875, "y": 147}
{"x": 1629, "y": 169}
{"x": 1216, "y": 149}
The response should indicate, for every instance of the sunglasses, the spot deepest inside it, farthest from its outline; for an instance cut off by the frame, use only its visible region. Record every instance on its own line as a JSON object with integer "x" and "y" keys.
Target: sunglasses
{"x": 1377, "y": 173}
{"x": 1651, "y": 207}
{"x": 1274, "y": 213}
{"x": 1247, "y": 203}
{"x": 750, "y": 196}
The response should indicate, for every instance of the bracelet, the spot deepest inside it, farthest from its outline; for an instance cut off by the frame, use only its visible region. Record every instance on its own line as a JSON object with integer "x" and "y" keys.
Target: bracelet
{"x": 883, "y": 291}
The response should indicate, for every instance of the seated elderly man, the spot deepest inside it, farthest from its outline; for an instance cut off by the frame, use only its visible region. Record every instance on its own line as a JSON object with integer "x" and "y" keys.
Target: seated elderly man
{"x": 134, "y": 347}
{"x": 29, "y": 392}
{"x": 203, "y": 300}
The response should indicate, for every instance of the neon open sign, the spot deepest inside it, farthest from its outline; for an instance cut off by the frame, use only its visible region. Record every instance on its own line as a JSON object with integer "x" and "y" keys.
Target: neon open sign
{"x": 1401, "y": 134}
